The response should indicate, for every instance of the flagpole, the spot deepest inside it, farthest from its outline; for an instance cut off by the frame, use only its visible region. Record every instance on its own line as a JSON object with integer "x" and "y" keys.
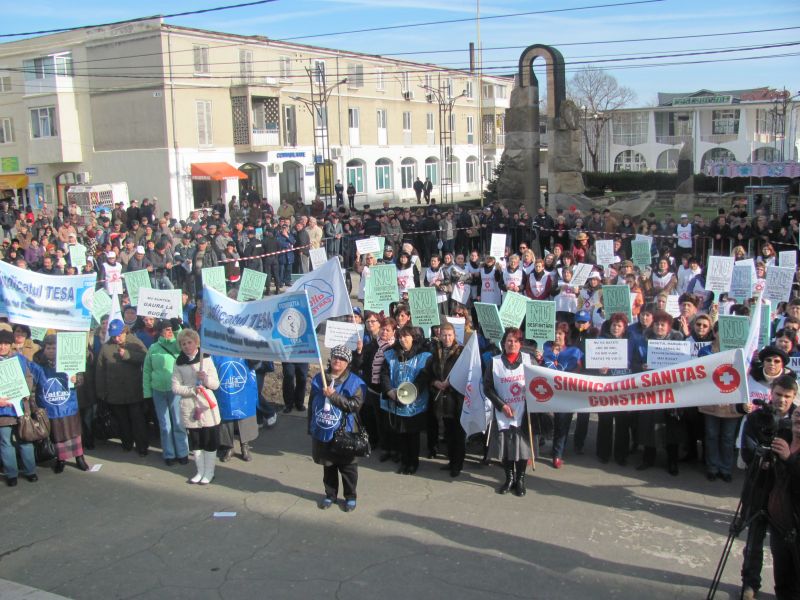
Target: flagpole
{"x": 530, "y": 436}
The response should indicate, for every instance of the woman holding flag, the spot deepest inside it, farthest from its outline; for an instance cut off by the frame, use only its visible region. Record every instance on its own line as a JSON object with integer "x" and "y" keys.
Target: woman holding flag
{"x": 504, "y": 385}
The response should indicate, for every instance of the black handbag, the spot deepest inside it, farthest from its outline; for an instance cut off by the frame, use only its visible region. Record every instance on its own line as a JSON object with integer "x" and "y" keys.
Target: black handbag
{"x": 104, "y": 424}
{"x": 44, "y": 450}
{"x": 350, "y": 444}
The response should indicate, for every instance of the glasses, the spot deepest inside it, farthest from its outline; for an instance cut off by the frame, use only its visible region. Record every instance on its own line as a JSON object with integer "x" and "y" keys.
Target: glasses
{"x": 774, "y": 359}
{"x": 701, "y": 325}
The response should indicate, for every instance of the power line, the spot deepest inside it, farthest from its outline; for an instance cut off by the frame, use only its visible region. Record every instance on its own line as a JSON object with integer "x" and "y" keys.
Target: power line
{"x": 468, "y": 20}
{"x": 139, "y": 19}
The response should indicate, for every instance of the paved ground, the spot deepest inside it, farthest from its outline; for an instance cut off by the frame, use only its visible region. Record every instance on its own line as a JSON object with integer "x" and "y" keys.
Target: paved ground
{"x": 135, "y": 529}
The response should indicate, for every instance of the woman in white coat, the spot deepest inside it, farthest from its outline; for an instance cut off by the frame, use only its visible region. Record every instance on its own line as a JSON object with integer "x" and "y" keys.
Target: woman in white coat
{"x": 194, "y": 378}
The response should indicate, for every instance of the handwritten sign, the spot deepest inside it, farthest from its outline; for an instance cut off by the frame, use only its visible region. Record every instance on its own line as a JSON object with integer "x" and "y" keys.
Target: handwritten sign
{"x": 513, "y": 309}
{"x": 607, "y": 353}
{"x": 77, "y": 256}
{"x": 672, "y": 307}
{"x": 604, "y": 251}
{"x": 741, "y": 282}
{"x": 719, "y": 274}
{"x": 251, "y": 286}
{"x": 787, "y": 258}
{"x": 160, "y": 304}
{"x": 540, "y": 321}
{"x": 617, "y": 298}
{"x": 778, "y": 286}
{"x": 134, "y": 281}
{"x": 318, "y": 257}
{"x": 38, "y": 333}
{"x": 369, "y": 245}
{"x": 341, "y": 333}
{"x": 641, "y": 255}
{"x": 497, "y": 248}
{"x": 580, "y": 274}
{"x": 489, "y": 320}
{"x": 732, "y": 331}
{"x": 666, "y": 353}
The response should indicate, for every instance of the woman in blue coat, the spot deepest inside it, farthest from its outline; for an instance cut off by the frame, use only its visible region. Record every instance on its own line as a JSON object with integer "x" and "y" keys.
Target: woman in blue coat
{"x": 59, "y": 398}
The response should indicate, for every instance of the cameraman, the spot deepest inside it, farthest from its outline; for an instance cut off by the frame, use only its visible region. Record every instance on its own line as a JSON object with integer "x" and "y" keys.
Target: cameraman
{"x": 783, "y": 509}
{"x": 783, "y": 391}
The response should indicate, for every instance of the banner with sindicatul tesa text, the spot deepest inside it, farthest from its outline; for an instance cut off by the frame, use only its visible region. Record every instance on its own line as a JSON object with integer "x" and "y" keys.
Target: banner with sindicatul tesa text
{"x": 715, "y": 379}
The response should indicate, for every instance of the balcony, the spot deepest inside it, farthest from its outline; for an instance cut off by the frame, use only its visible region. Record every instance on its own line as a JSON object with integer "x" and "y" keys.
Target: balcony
{"x": 720, "y": 138}
{"x": 494, "y": 102}
{"x": 265, "y": 137}
{"x": 49, "y": 84}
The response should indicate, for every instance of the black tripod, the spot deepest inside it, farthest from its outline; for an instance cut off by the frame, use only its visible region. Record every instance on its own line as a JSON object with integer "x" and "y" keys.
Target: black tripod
{"x": 750, "y": 508}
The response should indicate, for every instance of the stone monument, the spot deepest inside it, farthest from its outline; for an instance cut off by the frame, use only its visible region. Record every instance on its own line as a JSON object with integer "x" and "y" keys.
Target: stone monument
{"x": 684, "y": 194}
{"x": 521, "y": 178}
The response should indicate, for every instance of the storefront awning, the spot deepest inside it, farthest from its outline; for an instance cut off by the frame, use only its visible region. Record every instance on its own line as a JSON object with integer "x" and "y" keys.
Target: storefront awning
{"x": 13, "y": 182}
{"x": 217, "y": 171}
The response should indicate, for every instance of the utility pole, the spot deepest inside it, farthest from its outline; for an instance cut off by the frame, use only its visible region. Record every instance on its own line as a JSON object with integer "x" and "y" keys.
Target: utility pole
{"x": 446, "y": 101}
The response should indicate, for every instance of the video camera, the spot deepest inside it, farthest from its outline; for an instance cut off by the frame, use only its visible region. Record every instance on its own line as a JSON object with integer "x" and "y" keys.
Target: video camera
{"x": 767, "y": 424}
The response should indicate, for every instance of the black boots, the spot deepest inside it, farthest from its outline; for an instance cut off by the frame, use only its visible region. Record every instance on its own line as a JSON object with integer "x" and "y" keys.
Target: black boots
{"x": 246, "y": 456}
{"x": 59, "y": 466}
{"x": 508, "y": 467}
{"x": 519, "y": 483}
{"x": 225, "y": 453}
{"x": 80, "y": 461}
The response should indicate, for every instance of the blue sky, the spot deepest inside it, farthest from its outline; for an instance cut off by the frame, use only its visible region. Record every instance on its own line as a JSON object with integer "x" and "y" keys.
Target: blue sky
{"x": 293, "y": 18}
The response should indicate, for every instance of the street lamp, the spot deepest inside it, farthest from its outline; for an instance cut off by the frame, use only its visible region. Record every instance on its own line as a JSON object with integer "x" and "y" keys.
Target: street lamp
{"x": 446, "y": 103}
{"x": 317, "y": 106}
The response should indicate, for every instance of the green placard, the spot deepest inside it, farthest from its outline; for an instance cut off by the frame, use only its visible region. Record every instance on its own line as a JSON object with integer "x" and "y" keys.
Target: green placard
{"x": 295, "y": 276}
{"x": 540, "y": 321}
{"x": 424, "y": 309}
{"x": 641, "y": 253}
{"x": 38, "y": 333}
{"x": 101, "y": 305}
{"x": 77, "y": 256}
{"x": 617, "y": 298}
{"x": 135, "y": 280}
{"x": 381, "y": 244}
{"x": 489, "y": 319}
{"x": 732, "y": 332}
{"x": 9, "y": 164}
{"x": 70, "y": 352}
{"x": 251, "y": 286}
{"x": 765, "y": 332}
{"x": 12, "y": 383}
{"x": 513, "y": 309}
{"x": 214, "y": 277}
{"x": 381, "y": 288}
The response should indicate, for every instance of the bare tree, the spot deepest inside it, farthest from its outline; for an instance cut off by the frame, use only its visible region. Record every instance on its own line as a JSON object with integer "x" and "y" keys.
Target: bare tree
{"x": 597, "y": 94}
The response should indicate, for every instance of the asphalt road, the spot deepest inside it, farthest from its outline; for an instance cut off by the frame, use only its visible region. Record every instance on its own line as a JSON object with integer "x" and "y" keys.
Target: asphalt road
{"x": 135, "y": 529}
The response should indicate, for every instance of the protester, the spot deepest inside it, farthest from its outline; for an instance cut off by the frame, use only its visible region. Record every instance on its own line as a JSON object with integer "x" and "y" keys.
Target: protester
{"x": 238, "y": 398}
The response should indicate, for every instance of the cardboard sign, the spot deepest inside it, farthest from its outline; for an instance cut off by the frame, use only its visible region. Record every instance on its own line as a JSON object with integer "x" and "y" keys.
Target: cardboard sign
{"x": 662, "y": 354}
{"x": 513, "y": 309}
{"x": 497, "y": 248}
{"x": 540, "y": 321}
{"x": 719, "y": 274}
{"x": 214, "y": 277}
{"x": 70, "y": 353}
{"x": 77, "y": 256}
{"x": 580, "y": 273}
{"x": 617, "y": 298}
{"x": 160, "y": 304}
{"x": 778, "y": 286}
{"x": 318, "y": 257}
{"x": 672, "y": 307}
{"x": 424, "y": 308}
{"x": 13, "y": 384}
{"x": 641, "y": 253}
{"x": 604, "y": 251}
{"x": 341, "y": 333}
{"x": 788, "y": 258}
{"x": 369, "y": 245}
{"x": 251, "y": 285}
{"x": 732, "y": 331}
{"x": 741, "y": 282}
{"x": 381, "y": 288}
{"x": 607, "y": 353}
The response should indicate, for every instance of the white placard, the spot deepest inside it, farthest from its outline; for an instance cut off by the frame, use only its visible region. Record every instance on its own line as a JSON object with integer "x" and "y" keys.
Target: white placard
{"x": 340, "y": 333}
{"x": 580, "y": 273}
{"x": 672, "y": 307}
{"x": 318, "y": 257}
{"x": 369, "y": 245}
{"x": 459, "y": 324}
{"x": 610, "y": 354}
{"x": 787, "y": 258}
{"x": 665, "y": 353}
{"x": 604, "y": 251}
{"x": 498, "y": 245}
{"x": 778, "y": 287}
{"x": 160, "y": 304}
{"x": 719, "y": 274}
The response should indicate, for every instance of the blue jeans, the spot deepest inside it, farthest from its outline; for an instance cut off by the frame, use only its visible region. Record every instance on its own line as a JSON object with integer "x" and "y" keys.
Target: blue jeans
{"x": 719, "y": 444}
{"x": 8, "y": 452}
{"x": 286, "y": 274}
{"x": 174, "y": 442}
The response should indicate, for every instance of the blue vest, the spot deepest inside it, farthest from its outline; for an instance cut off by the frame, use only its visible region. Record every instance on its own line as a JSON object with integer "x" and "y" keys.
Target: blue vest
{"x": 324, "y": 423}
{"x": 54, "y": 394}
{"x": 8, "y": 411}
{"x": 408, "y": 371}
{"x": 237, "y": 394}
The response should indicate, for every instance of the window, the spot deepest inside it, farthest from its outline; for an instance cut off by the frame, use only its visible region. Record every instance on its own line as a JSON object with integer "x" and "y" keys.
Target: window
{"x": 201, "y": 60}
{"x": 5, "y": 84}
{"x": 319, "y": 72}
{"x": 488, "y": 168}
{"x": 488, "y": 91}
{"x": 470, "y": 129}
{"x": 668, "y": 161}
{"x": 383, "y": 174}
{"x": 408, "y": 172}
{"x": 716, "y": 155}
{"x": 353, "y": 118}
{"x": 768, "y": 122}
{"x": 63, "y": 64}
{"x": 381, "y": 118}
{"x": 43, "y": 122}
{"x": 472, "y": 169}
{"x": 204, "y": 136}
{"x": 448, "y": 86}
{"x": 383, "y": 136}
{"x": 355, "y": 75}
{"x": 355, "y": 175}
{"x": 246, "y": 64}
{"x": 404, "y": 82}
{"x": 432, "y": 169}
{"x": 725, "y": 121}
{"x": 673, "y": 126}
{"x": 321, "y": 116}
{"x": 452, "y": 170}
{"x": 500, "y": 91}
{"x": 765, "y": 154}
{"x": 407, "y": 128}
{"x": 428, "y": 81}
{"x": 289, "y": 125}
{"x": 468, "y": 88}
{"x": 379, "y": 80}
{"x": 286, "y": 67}
{"x": 429, "y": 122}
{"x": 630, "y": 128}
{"x": 6, "y": 131}
{"x": 630, "y": 160}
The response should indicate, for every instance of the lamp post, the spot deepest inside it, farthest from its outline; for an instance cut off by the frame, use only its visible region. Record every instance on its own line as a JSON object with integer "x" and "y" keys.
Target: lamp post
{"x": 446, "y": 103}
{"x": 317, "y": 106}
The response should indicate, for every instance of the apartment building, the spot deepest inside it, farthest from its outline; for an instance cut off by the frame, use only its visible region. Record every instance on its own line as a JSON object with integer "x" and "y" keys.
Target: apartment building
{"x": 189, "y": 115}
{"x": 759, "y": 124}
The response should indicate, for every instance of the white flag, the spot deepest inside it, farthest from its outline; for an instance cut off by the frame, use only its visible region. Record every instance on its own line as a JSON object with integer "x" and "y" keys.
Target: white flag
{"x": 327, "y": 292}
{"x": 466, "y": 377}
{"x": 115, "y": 313}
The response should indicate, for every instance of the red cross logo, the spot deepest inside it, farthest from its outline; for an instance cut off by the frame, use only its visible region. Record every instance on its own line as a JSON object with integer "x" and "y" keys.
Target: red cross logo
{"x": 726, "y": 378}
{"x": 516, "y": 389}
{"x": 541, "y": 389}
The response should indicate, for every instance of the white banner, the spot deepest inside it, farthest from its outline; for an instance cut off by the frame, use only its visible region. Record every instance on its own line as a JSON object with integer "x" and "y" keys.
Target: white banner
{"x": 53, "y": 301}
{"x": 604, "y": 251}
{"x": 715, "y": 379}
{"x": 340, "y": 333}
{"x": 663, "y": 353}
{"x": 368, "y": 245}
{"x": 327, "y": 291}
{"x": 161, "y": 304}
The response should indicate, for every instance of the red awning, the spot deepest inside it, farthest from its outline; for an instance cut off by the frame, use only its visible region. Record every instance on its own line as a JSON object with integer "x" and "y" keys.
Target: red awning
{"x": 215, "y": 172}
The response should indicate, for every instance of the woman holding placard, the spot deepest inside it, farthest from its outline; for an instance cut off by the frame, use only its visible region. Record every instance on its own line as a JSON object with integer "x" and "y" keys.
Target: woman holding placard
{"x": 59, "y": 398}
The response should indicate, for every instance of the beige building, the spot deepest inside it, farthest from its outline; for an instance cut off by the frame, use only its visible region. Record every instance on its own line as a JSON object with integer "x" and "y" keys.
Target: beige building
{"x": 188, "y": 115}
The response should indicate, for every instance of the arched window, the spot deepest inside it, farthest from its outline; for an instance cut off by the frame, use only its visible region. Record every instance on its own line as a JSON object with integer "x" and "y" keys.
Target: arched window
{"x": 452, "y": 170}
{"x": 472, "y": 169}
{"x": 383, "y": 174}
{"x": 254, "y": 181}
{"x": 629, "y": 160}
{"x": 432, "y": 169}
{"x": 717, "y": 154}
{"x": 765, "y": 154}
{"x": 408, "y": 172}
{"x": 668, "y": 160}
{"x": 355, "y": 174}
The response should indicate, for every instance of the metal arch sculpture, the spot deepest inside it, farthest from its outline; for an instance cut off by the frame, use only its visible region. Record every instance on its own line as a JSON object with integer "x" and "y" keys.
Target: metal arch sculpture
{"x": 556, "y": 75}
